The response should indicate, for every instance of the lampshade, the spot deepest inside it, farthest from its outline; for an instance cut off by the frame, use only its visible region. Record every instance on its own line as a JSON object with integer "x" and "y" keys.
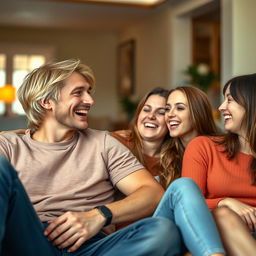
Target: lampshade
{"x": 7, "y": 93}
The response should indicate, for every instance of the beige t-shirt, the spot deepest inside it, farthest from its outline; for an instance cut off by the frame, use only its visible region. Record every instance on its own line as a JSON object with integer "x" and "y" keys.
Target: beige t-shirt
{"x": 69, "y": 176}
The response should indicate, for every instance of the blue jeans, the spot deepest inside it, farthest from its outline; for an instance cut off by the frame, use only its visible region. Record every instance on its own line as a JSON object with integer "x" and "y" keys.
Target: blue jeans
{"x": 21, "y": 232}
{"x": 184, "y": 204}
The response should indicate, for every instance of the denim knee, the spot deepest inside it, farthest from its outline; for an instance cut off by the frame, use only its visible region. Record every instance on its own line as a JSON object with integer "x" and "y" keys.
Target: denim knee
{"x": 166, "y": 238}
{"x": 183, "y": 184}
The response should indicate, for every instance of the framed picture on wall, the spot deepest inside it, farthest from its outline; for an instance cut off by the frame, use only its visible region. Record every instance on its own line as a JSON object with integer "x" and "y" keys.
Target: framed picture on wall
{"x": 126, "y": 68}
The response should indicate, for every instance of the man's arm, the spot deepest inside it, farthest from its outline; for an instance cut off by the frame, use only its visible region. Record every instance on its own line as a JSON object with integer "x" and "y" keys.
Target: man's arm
{"x": 143, "y": 195}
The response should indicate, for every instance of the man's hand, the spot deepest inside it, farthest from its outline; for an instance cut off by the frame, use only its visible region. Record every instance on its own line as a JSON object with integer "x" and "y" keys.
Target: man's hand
{"x": 74, "y": 228}
{"x": 109, "y": 229}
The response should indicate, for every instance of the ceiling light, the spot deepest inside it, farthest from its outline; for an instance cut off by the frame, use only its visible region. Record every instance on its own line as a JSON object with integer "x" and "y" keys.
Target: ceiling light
{"x": 146, "y": 3}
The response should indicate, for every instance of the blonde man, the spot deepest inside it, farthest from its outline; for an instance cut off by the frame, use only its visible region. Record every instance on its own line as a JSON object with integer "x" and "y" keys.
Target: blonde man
{"x": 69, "y": 173}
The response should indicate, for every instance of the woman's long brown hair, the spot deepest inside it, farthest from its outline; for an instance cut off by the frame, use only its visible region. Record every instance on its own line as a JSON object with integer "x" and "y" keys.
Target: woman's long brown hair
{"x": 202, "y": 121}
{"x": 243, "y": 91}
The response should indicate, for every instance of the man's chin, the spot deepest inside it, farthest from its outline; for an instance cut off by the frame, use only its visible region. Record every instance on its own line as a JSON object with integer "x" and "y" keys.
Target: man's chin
{"x": 82, "y": 127}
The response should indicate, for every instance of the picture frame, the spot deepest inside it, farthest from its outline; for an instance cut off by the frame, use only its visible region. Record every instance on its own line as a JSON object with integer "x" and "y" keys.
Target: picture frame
{"x": 126, "y": 68}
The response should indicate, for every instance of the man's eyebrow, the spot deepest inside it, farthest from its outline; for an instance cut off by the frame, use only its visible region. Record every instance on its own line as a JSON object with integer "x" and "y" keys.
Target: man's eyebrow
{"x": 82, "y": 88}
{"x": 78, "y": 88}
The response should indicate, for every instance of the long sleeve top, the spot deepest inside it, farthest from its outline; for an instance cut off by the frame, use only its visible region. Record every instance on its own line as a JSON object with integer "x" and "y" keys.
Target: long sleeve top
{"x": 218, "y": 178}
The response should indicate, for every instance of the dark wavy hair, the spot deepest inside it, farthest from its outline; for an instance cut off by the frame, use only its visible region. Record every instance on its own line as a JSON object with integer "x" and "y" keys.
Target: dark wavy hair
{"x": 243, "y": 90}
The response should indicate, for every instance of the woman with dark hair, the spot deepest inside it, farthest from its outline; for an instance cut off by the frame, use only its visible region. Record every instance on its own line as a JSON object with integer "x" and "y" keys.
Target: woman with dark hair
{"x": 188, "y": 114}
{"x": 225, "y": 167}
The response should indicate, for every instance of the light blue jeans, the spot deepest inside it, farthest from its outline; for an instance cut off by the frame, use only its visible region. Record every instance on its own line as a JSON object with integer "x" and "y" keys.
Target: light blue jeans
{"x": 184, "y": 205}
{"x": 21, "y": 232}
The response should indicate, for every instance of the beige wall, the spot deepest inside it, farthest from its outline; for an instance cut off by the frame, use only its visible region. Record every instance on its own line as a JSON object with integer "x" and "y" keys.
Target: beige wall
{"x": 226, "y": 43}
{"x": 97, "y": 49}
{"x": 239, "y": 40}
{"x": 244, "y": 37}
{"x": 152, "y": 51}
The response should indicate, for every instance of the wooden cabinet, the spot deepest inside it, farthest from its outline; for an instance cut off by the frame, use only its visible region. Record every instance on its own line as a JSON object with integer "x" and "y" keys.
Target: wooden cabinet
{"x": 206, "y": 44}
{"x": 206, "y": 49}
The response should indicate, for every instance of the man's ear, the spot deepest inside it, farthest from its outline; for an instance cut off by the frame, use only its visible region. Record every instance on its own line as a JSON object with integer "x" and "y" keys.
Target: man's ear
{"x": 46, "y": 104}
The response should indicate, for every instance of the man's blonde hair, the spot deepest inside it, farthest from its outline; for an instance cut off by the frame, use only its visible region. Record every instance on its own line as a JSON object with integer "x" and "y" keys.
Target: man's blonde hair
{"x": 45, "y": 83}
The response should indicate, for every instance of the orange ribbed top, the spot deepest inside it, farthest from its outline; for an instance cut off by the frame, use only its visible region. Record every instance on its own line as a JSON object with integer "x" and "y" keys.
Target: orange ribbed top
{"x": 218, "y": 177}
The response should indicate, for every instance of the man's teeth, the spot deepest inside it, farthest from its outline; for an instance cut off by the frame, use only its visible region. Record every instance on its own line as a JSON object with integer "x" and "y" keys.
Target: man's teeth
{"x": 227, "y": 117}
{"x": 150, "y": 125}
{"x": 81, "y": 112}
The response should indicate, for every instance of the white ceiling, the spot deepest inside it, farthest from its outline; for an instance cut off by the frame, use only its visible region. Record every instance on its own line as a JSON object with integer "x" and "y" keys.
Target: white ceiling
{"x": 71, "y": 15}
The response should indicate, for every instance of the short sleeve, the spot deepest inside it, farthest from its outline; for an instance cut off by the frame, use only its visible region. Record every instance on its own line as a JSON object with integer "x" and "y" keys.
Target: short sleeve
{"x": 120, "y": 160}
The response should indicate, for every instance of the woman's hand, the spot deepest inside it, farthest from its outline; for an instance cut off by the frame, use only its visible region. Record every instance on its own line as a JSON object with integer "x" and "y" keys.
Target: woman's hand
{"x": 245, "y": 211}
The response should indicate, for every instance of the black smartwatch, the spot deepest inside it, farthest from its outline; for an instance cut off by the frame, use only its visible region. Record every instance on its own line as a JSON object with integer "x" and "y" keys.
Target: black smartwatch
{"x": 105, "y": 212}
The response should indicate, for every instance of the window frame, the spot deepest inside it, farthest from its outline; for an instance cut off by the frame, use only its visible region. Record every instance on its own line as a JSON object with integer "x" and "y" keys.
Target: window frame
{"x": 48, "y": 51}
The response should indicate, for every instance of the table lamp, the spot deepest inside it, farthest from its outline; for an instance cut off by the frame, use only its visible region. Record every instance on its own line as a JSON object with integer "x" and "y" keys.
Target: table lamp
{"x": 7, "y": 95}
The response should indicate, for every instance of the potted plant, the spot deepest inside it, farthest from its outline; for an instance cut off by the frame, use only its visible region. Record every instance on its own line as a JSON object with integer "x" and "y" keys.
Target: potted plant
{"x": 129, "y": 105}
{"x": 200, "y": 76}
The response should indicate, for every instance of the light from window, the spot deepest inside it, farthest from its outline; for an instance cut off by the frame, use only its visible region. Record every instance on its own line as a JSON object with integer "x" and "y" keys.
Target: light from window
{"x": 22, "y": 65}
{"x": 2, "y": 76}
{"x": 2, "y": 69}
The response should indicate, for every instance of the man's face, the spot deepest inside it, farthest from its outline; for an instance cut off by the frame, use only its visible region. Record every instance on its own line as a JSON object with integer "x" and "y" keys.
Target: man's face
{"x": 74, "y": 103}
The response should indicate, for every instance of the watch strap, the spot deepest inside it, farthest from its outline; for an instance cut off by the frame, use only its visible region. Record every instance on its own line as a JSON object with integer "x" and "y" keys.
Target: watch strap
{"x": 105, "y": 212}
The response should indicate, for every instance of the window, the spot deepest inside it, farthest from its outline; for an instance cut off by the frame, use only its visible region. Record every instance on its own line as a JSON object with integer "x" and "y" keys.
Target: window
{"x": 2, "y": 69}
{"x": 2, "y": 76}
{"x": 22, "y": 65}
{"x": 16, "y": 62}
